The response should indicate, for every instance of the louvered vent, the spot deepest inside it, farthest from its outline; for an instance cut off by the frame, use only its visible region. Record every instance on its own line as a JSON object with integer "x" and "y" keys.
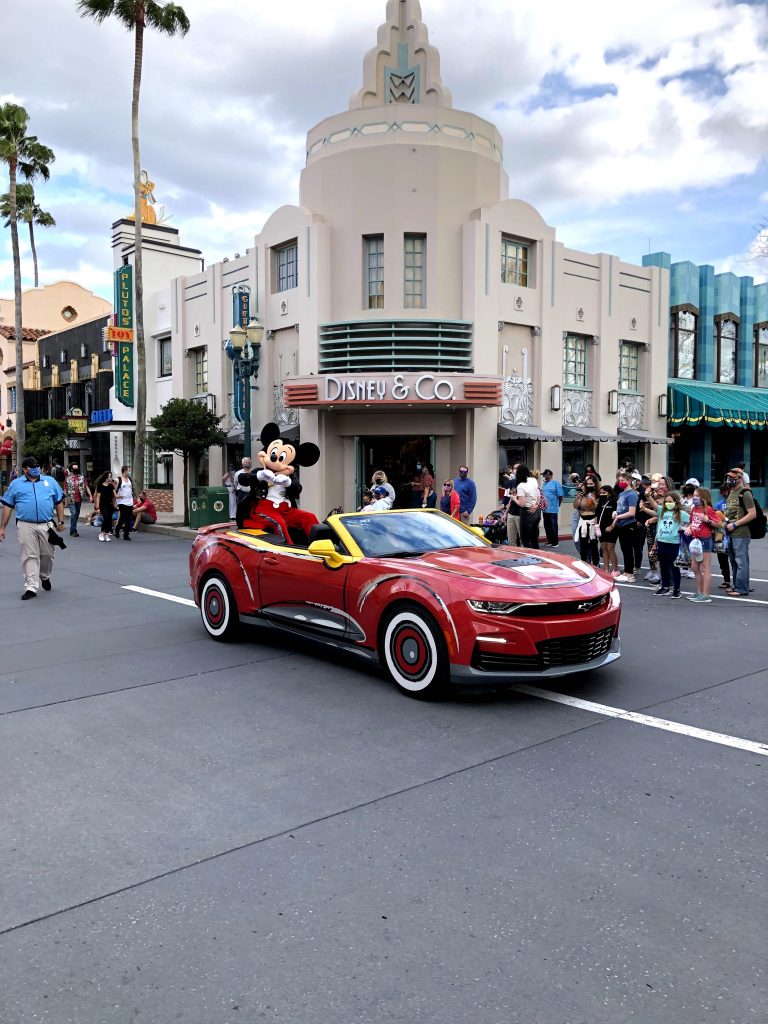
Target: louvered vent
{"x": 396, "y": 346}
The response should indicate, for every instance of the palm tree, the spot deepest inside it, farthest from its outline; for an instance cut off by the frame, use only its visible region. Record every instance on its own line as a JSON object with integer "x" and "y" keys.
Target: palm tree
{"x": 28, "y": 158}
{"x": 28, "y": 211}
{"x": 135, "y": 16}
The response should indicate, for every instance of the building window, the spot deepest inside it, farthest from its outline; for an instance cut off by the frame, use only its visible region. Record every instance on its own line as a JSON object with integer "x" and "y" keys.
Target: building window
{"x": 575, "y": 361}
{"x": 285, "y": 266}
{"x": 629, "y": 366}
{"x": 414, "y": 265}
{"x": 11, "y": 399}
{"x": 761, "y": 357}
{"x": 83, "y": 350}
{"x": 374, "y": 271}
{"x": 514, "y": 262}
{"x": 165, "y": 364}
{"x": 63, "y": 357}
{"x": 684, "y": 327}
{"x": 201, "y": 370}
{"x": 727, "y": 341}
{"x": 46, "y": 360}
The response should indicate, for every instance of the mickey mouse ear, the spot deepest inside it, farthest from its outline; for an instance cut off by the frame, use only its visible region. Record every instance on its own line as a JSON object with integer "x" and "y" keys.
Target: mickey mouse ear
{"x": 307, "y": 454}
{"x": 269, "y": 432}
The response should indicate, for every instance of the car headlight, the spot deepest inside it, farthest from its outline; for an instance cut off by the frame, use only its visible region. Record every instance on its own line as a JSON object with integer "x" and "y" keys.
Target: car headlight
{"x": 493, "y": 607}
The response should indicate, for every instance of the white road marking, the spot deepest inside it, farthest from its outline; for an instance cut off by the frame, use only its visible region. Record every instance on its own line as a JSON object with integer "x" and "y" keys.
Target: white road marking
{"x": 576, "y": 702}
{"x": 159, "y": 593}
{"x": 715, "y": 597}
{"x": 655, "y": 723}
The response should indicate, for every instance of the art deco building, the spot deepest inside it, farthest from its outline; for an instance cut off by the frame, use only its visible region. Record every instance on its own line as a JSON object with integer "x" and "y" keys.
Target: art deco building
{"x": 414, "y": 311}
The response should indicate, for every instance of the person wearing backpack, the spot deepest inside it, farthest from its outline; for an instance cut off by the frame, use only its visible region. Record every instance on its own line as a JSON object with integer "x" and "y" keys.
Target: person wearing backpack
{"x": 740, "y": 511}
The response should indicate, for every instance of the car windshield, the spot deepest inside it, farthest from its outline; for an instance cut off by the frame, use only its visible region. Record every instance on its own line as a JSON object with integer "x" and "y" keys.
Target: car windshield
{"x": 406, "y": 534}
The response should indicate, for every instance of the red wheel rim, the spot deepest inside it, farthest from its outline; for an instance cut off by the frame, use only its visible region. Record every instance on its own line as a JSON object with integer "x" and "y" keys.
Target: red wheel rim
{"x": 410, "y": 651}
{"x": 215, "y": 606}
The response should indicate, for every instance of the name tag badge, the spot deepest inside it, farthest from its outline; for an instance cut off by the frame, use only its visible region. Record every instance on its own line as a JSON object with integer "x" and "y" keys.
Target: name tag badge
{"x": 45, "y": 483}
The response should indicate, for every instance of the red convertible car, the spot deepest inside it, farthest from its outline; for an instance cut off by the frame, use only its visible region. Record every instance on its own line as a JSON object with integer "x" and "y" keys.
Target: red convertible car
{"x": 415, "y": 591}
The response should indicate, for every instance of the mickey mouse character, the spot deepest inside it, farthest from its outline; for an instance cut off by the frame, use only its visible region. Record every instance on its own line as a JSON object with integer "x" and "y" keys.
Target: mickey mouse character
{"x": 273, "y": 506}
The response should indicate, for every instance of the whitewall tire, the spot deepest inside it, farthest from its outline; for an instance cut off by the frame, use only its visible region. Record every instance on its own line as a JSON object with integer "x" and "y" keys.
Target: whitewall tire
{"x": 218, "y": 608}
{"x": 414, "y": 653}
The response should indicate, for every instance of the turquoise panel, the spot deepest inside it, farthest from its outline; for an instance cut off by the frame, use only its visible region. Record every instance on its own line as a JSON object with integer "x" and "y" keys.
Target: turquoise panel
{"x": 658, "y": 259}
{"x": 705, "y": 349}
{"x": 727, "y": 293}
{"x": 761, "y": 303}
{"x": 684, "y": 285}
{"x": 745, "y": 354}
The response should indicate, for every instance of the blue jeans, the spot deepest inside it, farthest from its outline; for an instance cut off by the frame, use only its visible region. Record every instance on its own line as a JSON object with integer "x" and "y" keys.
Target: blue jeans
{"x": 74, "y": 515}
{"x": 738, "y": 553}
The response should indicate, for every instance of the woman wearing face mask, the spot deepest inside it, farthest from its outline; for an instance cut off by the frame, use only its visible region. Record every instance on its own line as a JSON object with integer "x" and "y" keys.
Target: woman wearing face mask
{"x": 624, "y": 518}
{"x": 672, "y": 520}
{"x": 606, "y": 506}
{"x": 703, "y": 518}
{"x": 586, "y": 504}
{"x": 104, "y": 504}
{"x": 379, "y": 479}
{"x": 526, "y": 498}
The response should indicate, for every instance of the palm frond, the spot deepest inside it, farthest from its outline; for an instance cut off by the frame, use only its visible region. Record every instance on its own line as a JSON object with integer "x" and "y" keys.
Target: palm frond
{"x": 168, "y": 18}
{"x": 99, "y": 10}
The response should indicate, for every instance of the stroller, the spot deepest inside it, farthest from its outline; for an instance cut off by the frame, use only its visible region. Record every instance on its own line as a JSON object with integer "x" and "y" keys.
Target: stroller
{"x": 494, "y": 527}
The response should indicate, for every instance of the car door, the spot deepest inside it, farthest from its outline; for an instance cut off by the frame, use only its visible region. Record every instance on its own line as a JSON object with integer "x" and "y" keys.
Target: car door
{"x": 300, "y": 591}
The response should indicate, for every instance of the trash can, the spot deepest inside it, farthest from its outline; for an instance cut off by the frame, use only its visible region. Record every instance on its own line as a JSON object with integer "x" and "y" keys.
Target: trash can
{"x": 208, "y": 505}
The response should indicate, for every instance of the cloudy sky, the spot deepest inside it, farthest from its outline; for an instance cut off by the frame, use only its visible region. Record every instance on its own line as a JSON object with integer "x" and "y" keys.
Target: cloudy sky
{"x": 628, "y": 126}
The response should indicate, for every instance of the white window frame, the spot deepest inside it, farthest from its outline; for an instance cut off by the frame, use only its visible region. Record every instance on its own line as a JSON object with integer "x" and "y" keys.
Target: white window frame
{"x": 629, "y": 361}
{"x": 373, "y": 249}
{"x": 515, "y": 261}
{"x": 414, "y": 271}
{"x": 578, "y": 345}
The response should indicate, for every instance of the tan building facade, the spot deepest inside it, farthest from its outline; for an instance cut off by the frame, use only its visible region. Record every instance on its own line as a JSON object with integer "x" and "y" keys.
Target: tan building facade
{"x": 414, "y": 312}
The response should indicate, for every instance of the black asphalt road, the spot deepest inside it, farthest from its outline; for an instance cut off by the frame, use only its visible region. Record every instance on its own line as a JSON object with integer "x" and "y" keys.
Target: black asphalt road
{"x": 222, "y": 834}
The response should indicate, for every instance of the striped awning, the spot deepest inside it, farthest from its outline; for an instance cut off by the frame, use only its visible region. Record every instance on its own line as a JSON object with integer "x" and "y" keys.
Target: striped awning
{"x": 717, "y": 405}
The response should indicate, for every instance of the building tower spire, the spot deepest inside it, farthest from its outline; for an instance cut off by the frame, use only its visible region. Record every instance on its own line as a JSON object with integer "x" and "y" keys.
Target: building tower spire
{"x": 402, "y": 67}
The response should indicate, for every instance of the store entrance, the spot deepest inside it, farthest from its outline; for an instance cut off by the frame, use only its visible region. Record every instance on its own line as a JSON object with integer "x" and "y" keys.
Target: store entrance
{"x": 397, "y": 455}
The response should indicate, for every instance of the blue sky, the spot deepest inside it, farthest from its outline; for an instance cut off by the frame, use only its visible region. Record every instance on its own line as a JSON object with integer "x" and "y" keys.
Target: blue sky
{"x": 620, "y": 123}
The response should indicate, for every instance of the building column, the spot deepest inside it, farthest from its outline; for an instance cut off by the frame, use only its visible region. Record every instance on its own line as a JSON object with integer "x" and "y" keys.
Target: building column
{"x": 700, "y": 464}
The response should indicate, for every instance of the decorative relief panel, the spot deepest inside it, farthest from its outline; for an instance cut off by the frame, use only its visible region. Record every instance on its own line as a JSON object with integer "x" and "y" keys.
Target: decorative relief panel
{"x": 577, "y": 408}
{"x": 631, "y": 411}
{"x": 517, "y": 401}
{"x": 284, "y": 416}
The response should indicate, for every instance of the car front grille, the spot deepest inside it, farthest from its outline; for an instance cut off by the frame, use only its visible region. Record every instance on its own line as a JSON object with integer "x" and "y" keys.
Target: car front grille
{"x": 540, "y": 610}
{"x": 557, "y": 653}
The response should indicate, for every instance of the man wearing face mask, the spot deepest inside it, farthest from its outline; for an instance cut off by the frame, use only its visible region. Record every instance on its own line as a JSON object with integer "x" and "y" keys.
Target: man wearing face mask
{"x": 467, "y": 492}
{"x": 37, "y": 501}
{"x": 739, "y": 513}
{"x": 76, "y": 487}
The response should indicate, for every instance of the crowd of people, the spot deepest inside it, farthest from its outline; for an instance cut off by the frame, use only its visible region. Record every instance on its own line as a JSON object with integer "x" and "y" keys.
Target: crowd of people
{"x": 637, "y": 514}
{"x": 457, "y": 497}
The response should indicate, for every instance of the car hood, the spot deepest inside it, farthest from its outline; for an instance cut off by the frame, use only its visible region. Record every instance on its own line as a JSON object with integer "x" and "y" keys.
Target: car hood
{"x": 517, "y": 567}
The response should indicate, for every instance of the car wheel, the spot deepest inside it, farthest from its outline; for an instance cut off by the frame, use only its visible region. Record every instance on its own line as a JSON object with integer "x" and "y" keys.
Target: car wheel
{"x": 414, "y": 653}
{"x": 218, "y": 608}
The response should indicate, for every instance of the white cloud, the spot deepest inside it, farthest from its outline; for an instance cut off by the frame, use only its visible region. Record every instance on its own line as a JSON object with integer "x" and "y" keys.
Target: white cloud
{"x": 225, "y": 111}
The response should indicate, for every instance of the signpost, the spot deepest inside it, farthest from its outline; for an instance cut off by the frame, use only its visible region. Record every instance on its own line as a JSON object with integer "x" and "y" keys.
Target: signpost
{"x": 124, "y": 373}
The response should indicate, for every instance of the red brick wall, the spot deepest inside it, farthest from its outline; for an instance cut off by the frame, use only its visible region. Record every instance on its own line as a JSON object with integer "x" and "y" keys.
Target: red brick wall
{"x": 163, "y": 498}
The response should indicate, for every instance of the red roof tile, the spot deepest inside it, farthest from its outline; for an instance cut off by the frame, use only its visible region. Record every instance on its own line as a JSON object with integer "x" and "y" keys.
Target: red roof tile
{"x": 27, "y": 333}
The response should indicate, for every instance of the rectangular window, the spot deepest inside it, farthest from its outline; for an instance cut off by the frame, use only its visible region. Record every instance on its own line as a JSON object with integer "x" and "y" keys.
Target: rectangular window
{"x": 46, "y": 361}
{"x": 727, "y": 337}
{"x": 761, "y": 358}
{"x": 683, "y": 327}
{"x": 285, "y": 266}
{"x": 414, "y": 266}
{"x": 374, "y": 271}
{"x": 201, "y": 370}
{"x": 63, "y": 357}
{"x": 514, "y": 262}
{"x": 165, "y": 364}
{"x": 629, "y": 366}
{"x": 11, "y": 399}
{"x": 575, "y": 361}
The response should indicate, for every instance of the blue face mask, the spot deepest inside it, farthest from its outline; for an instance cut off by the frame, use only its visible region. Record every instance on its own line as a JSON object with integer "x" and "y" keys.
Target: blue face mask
{"x": 34, "y": 472}
{"x": 418, "y": 467}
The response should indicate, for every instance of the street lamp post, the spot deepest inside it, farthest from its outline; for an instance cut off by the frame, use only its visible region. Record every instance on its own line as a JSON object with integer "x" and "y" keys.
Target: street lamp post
{"x": 245, "y": 345}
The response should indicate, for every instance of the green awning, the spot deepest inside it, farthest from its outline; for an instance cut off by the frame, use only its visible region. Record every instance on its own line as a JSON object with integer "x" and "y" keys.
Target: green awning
{"x": 717, "y": 405}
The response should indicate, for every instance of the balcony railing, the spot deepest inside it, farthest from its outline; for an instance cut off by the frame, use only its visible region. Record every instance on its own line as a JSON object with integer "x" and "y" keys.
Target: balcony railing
{"x": 631, "y": 411}
{"x": 517, "y": 401}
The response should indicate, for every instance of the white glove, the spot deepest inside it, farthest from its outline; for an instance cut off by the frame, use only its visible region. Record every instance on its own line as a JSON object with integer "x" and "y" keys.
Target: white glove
{"x": 266, "y": 475}
{"x": 282, "y": 479}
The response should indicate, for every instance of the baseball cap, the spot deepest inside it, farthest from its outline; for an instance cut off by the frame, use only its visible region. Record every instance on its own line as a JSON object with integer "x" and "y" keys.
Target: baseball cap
{"x": 30, "y": 462}
{"x": 694, "y": 481}
{"x": 636, "y": 475}
{"x": 546, "y": 472}
{"x": 379, "y": 491}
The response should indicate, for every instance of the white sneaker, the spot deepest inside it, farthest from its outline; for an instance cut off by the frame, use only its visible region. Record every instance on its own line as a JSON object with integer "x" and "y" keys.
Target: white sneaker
{"x": 690, "y": 574}
{"x": 648, "y": 576}
{"x": 623, "y": 578}
{"x": 108, "y": 538}
{"x": 102, "y": 538}
{"x": 653, "y": 577}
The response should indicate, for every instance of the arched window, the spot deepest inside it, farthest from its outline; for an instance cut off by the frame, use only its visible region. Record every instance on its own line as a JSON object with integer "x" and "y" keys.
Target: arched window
{"x": 761, "y": 355}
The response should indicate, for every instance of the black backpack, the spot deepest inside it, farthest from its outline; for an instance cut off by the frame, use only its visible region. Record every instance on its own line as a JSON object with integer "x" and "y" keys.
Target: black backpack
{"x": 757, "y": 528}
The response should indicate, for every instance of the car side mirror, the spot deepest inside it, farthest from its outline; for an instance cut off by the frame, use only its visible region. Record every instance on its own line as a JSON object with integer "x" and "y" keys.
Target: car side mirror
{"x": 324, "y": 549}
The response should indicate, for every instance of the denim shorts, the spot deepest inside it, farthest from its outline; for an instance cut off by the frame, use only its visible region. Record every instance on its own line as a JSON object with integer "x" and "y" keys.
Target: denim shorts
{"x": 707, "y": 544}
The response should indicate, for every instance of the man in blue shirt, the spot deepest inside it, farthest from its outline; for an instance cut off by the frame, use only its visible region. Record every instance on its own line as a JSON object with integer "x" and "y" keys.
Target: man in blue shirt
{"x": 37, "y": 501}
{"x": 467, "y": 492}
{"x": 553, "y": 491}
